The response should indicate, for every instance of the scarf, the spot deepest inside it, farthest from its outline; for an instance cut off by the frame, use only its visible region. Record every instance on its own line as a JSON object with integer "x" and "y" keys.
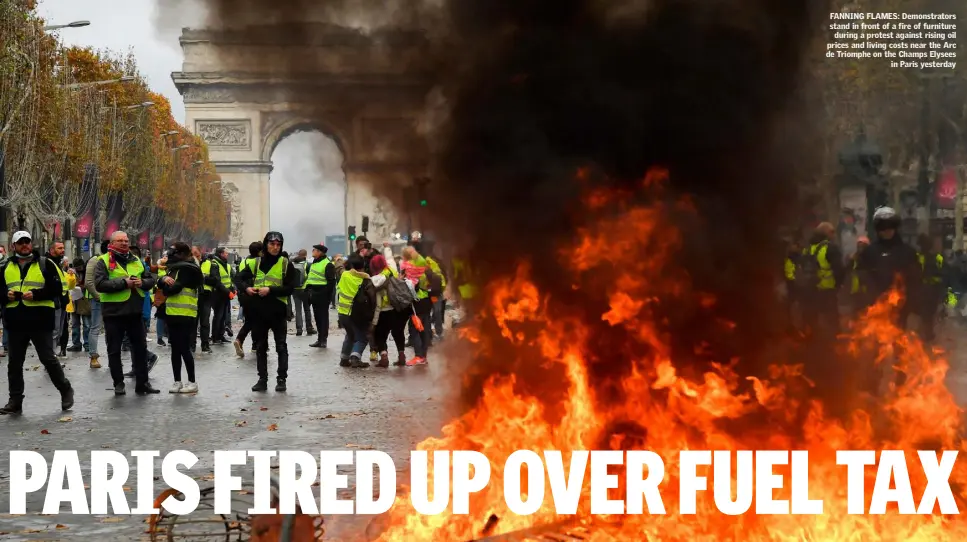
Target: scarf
{"x": 118, "y": 257}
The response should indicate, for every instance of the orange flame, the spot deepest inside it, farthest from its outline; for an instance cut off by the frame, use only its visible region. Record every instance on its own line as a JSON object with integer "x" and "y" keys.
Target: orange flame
{"x": 670, "y": 412}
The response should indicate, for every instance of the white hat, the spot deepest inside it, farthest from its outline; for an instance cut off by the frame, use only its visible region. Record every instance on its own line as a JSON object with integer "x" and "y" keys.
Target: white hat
{"x": 21, "y": 235}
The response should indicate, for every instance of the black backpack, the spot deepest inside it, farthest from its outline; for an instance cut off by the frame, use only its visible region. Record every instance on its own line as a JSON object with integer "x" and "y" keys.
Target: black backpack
{"x": 807, "y": 269}
{"x": 434, "y": 283}
{"x": 364, "y": 305}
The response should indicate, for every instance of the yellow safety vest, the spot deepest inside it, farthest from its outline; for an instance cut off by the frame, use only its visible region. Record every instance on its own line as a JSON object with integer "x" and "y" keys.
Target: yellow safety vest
{"x": 857, "y": 287}
{"x": 133, "y": 270}
{"x": 63, "y": 279}
{"x": 224, "y": 276}
{"x": 346, "y": 290}
{"x": 931, "y": 278}
{"x": 384, "y": 293}
{"x": 790, "y": 269}
{"x": 274, "y": 277}
{"x": 183, "y": 304}
{"x": 461, "y": 273}
{"x": 316, "y": 273}
{"x": 826, "y": 279}
{"x": 34, "y": 280}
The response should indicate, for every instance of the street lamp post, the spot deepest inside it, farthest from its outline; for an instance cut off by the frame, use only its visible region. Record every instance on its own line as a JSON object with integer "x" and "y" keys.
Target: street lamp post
{"x": 75, "y": 24}
{"x": 124, "y": 79}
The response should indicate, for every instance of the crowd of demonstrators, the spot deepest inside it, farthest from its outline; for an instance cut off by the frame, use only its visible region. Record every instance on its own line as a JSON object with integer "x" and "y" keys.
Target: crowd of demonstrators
{"x": 376, "y": 295}
{"x": 816, "y": 274}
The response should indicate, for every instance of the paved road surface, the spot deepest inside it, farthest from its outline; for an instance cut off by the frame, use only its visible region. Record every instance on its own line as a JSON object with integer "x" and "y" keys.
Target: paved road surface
{"x": 326, "y": 407}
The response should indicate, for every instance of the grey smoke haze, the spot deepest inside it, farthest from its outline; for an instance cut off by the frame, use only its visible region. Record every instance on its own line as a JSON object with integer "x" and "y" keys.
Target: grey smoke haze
{"x": 306, "y": 190}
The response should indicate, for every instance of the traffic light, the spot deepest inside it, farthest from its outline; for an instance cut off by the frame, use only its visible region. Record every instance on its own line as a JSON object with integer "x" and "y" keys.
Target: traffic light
{"x": 421, "y": 190}
{"x": 352, "y": 233}
{"x": 365, "y": 224}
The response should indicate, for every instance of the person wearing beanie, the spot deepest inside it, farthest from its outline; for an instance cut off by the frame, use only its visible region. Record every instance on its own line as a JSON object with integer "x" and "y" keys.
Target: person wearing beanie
{"x": 268, "y": 281}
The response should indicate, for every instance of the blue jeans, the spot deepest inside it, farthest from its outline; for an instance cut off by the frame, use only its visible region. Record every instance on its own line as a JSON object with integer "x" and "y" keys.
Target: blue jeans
{"x": 77, "y": 322}
{"x": 97, "y": 325}
{"x": 355, "y": 341}
{"x": 159, "y": 328}
{"x": 439, "y": 311}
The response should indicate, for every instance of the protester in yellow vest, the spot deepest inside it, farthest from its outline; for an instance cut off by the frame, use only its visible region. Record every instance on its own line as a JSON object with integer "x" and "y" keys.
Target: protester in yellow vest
{"x": 822, "y": 262}
{"x": 300, "y": 298}
{"x": 123, "y": 283}
{"x": 254, "y": 251}
{"x": 180, "y": 287}
{"x": 389, "y": 321}
{"x": 320, "y": 284}
{"x": 56, "y": 255}
{"x": 267, "y": 282}
{"x": 29, "y": 284}
{"x": 356, "y": 327}
{"x": 933, "y": 287}
{"x": 413, "y": 269}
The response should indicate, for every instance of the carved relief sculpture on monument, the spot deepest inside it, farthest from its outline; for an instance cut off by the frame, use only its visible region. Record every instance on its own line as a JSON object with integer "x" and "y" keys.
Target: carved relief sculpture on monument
{"x": 238, "y": 224}
{"x": 224, "y": 133}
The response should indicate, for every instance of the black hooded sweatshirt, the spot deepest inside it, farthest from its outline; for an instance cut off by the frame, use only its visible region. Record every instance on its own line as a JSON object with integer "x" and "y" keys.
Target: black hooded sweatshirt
{"x": 884, "y": 263}
{"x": 22, "y": 317}
{"x": 268, "y": 307}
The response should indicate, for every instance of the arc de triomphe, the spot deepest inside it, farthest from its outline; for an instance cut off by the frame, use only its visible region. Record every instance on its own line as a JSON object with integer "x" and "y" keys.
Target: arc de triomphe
{"x": 360, "y": 90}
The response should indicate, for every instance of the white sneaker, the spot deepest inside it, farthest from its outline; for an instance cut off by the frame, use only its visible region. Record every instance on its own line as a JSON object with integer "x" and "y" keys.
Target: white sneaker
{"x": 190, "y": 387}
{"x": 176, "y": 388}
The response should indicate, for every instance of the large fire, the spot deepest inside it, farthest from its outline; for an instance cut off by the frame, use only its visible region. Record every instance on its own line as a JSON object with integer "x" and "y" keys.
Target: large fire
{"x": 657, "y": 406}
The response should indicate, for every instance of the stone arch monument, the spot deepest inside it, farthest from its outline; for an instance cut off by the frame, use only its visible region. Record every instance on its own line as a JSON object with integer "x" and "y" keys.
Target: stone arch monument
{"x": 362, "y": 90}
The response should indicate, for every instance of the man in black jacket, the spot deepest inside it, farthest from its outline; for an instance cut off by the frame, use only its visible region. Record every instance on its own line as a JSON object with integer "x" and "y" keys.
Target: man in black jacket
{"x": 267, "y": 282}
{"x": 122, "y": 281}
{"x": 31, "y": 285}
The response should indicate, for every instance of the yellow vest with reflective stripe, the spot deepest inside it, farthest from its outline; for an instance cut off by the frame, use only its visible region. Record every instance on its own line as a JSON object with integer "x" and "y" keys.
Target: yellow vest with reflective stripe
{"x": 826, "y": 279}
{"x": 224, "y": 275}
{"x": 133, "y": 270}
{"x": 183, "y": 304}
{"x": 346, "y": 290}
{"x": 316, "y": 273}
{"x": 274, "y": 277}
{"x": 932, "y": 278}
{"x": 206, "y": 269}
{"x": 34, "y": 280}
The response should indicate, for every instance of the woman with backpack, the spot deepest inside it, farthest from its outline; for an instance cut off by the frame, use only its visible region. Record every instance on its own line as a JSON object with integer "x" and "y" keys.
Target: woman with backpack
{"x": 414, "y": 269}
{"x": 389, "y": 320}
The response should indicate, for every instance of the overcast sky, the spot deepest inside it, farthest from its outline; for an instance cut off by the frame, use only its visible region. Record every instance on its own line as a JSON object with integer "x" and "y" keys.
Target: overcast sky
{"x": 306, "y": 185}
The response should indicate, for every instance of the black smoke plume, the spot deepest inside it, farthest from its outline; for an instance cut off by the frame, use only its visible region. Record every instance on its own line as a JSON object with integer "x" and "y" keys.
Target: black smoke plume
{"x": 535, "y": 89}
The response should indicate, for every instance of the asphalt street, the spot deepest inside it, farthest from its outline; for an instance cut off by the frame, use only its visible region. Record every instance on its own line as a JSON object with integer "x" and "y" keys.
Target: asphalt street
{"x": 326, "y": 407}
